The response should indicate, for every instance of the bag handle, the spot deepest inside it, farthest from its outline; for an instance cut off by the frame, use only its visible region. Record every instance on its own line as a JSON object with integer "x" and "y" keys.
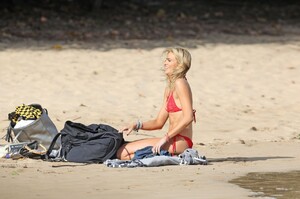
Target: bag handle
{"x": 51, "y": 146}
{"x": 8, "y": 136}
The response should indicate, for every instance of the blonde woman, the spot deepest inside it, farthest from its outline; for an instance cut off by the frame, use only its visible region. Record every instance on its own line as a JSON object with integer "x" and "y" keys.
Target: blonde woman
{"x": 177, "y": 107}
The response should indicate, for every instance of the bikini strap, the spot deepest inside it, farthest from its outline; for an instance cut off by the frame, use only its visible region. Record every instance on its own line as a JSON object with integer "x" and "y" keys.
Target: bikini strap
{"x": 194, "y": 114}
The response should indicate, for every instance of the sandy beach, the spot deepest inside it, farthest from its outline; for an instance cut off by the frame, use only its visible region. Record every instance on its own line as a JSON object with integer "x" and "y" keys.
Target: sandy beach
{"x": 245, "y": 91}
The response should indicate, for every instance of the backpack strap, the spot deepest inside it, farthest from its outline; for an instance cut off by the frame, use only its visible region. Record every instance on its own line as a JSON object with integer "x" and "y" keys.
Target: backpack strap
{"x": 112, "y": 152}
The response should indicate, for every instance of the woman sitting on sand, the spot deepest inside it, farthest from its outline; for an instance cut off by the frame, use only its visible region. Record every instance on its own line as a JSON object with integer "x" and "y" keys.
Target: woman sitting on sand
{"x": 177, "y": 107}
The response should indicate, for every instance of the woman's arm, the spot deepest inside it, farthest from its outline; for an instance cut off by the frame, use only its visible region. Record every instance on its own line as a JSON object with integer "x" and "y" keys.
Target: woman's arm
{"x": 158, "y": 122}
{"x": 154, "y": 124}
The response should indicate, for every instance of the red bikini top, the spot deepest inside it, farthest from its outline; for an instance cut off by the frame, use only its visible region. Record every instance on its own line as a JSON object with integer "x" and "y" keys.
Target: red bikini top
{"x": 171, "y": 105}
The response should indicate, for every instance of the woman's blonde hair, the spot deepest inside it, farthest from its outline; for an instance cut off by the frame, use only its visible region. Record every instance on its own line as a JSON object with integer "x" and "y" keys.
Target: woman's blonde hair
{"x": 183, "y": 58}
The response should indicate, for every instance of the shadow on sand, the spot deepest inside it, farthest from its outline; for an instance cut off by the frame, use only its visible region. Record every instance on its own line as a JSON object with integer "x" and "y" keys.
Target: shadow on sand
{"x": 245, "y": 159}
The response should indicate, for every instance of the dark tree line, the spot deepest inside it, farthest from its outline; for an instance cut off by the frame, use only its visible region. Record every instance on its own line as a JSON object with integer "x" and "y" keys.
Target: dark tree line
{"x": 90, "y": 20}
{"x": 92, "y": 5}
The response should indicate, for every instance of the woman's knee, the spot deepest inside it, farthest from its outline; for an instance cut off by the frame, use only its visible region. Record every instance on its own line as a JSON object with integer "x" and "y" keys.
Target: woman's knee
{"x": 123, "y": 153}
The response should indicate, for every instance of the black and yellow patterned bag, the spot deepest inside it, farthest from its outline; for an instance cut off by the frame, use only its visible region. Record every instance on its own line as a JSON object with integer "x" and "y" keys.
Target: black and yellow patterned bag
{"x": 40, "y": 128}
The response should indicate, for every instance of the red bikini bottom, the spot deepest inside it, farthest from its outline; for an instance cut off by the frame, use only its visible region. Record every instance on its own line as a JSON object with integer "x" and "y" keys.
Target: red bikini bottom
{"x": 187, "y": 139}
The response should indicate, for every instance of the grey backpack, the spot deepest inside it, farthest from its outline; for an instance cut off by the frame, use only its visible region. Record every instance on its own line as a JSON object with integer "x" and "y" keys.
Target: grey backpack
{"x": 94, "y": 143}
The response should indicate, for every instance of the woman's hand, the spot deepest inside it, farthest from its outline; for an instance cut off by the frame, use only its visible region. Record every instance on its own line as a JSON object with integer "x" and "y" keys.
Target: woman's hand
{"x": 128, "y": 129}
{"x": 156, "y": 148}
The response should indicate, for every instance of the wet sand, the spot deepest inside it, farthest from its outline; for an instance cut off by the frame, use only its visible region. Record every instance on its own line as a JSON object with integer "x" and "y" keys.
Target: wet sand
{"x": 283, "y": 185}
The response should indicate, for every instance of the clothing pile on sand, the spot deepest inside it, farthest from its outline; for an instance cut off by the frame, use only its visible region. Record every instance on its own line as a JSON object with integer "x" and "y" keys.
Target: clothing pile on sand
{"x": 145, "y": 158}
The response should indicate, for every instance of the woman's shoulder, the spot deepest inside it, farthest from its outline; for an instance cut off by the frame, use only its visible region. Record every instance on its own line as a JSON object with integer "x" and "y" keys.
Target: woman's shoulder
{"x": 182, "y": 86}
{"x": 181, "y": 83}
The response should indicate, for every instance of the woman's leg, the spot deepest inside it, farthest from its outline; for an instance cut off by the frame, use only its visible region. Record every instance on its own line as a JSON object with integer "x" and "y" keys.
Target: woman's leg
{"x": 126, "y": 151}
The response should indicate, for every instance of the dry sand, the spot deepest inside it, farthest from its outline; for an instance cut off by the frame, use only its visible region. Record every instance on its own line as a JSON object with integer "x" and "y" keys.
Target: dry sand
{"x": 245, "y": 90}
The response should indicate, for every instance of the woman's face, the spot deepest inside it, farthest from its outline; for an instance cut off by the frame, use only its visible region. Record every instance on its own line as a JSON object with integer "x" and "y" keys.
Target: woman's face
{"x": 170, "y": 64}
